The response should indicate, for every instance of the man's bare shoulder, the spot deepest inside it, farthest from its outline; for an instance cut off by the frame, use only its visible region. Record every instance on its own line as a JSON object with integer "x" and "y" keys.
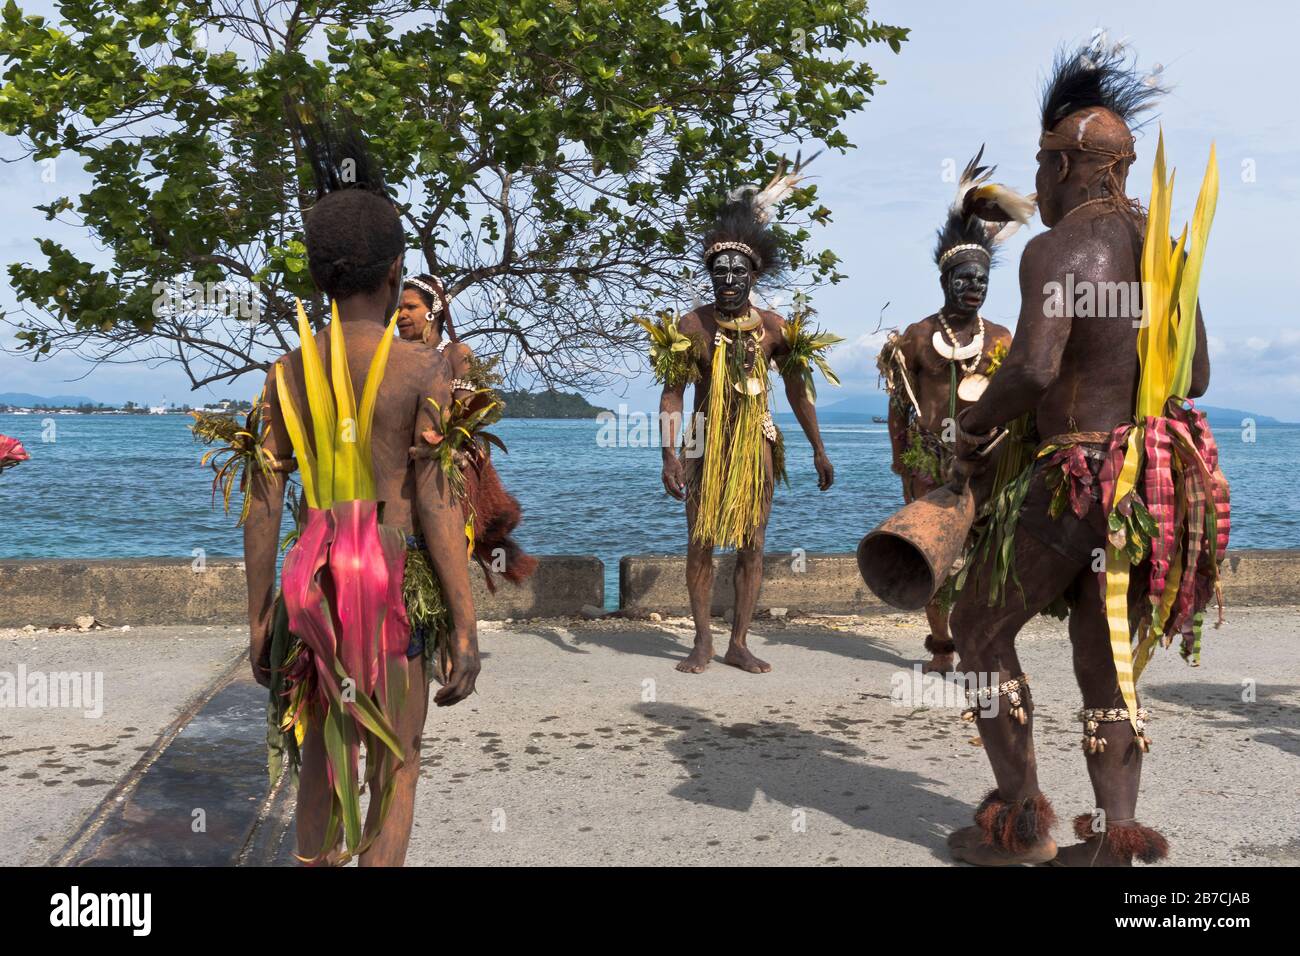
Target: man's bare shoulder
{"x": 1064, "y": 245}
{"x": 693, "y": 321}
{"x": 993, "y": 332}
{"x": 918, "y": 334}
{"x": 417, "y": 361}
{"x": 772, "y": 321}
{"x": 457, "y": 351}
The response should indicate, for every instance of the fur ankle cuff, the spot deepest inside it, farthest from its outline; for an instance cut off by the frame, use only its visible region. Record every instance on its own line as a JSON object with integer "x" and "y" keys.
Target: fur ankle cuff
{"x": 938, "y": 645}
{"x": 1125, "y": 839}
{"x": 1015, "y": 825}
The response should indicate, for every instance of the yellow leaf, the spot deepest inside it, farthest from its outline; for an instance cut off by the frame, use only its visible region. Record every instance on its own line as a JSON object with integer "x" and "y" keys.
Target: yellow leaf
{"x": 1202, "y": 219}
{"x": 345, "y": 437}
{"x": 298, "y": 438}
{"x": 320, "y": 404}
{"x": 369, "y": 397}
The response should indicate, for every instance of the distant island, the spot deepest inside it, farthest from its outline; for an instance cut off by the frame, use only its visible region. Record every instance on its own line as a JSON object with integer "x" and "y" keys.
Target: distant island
{"x": 545, "y": 404}
{"x": 548, "y": 404}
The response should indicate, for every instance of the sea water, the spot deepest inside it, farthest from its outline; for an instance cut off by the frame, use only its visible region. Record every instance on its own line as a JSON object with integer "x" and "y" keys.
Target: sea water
{"x": 107, "y": 486}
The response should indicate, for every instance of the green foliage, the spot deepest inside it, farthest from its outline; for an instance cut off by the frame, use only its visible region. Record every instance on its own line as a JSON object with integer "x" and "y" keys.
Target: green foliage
{"x": 674, "y": 357}
{"x": 1130, "y": 529}
{"x": 422, "y": 594}
{"x": 919, "y": 460}
{"x": 554, "y": 160}
{"x": 239, "y": 453}
{"x": 459, "y": 436}
{"x": 805, "y": 346}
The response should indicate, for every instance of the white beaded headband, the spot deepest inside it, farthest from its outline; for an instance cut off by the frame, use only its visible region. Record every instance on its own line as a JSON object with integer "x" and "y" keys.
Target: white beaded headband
{"x": 436, "y": 293}
{"x": 739, "y": 247}
{"x": 964, "y": 247}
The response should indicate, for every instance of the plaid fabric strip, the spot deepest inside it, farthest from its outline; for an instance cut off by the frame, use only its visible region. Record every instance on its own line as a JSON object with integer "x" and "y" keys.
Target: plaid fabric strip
{"x": 1208, "y": 451}
{"x": 1158, "y": 495}
{"x": 1113, "y": 465}
{"x": 1197, "y": 496}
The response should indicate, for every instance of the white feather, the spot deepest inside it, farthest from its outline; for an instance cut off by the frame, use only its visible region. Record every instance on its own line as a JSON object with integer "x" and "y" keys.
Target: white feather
{"x": 1006, "y": 232}
{"x": 779, "y": 189}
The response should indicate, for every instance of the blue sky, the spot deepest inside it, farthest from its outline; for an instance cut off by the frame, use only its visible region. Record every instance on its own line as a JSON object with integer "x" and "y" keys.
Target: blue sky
{"x": 969, "y": 75}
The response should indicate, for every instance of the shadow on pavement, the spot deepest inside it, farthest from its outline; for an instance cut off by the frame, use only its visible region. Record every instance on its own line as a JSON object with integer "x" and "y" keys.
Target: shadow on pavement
{"x": 730, "y": 764}
{"x": 1273, "y": 710}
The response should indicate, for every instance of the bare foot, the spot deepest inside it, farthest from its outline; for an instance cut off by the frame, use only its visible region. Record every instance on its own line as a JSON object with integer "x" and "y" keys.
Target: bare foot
{"x": 966, "y": 836}
{"x": 1089, "y": 854}
{"x": 739, "y": 656}
{"x": 940, "y": 664}
{"x": 696, "y": 661}
{"x": 978, "y": 853}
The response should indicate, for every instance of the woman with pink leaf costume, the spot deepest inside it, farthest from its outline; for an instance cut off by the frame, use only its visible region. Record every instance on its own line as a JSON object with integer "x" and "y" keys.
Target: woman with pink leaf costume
{"x": 350, "y": 681}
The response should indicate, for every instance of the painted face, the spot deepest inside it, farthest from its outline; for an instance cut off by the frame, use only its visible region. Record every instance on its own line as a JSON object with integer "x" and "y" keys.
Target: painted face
{"x": 411, "y": 315}
{"x": 733, "y": 277}
{"x": 965, "y": 286}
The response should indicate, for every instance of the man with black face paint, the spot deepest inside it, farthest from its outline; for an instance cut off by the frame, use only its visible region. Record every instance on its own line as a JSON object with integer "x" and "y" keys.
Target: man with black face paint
{"x": 727, "y": 485}
{"x": 941, "y": 364}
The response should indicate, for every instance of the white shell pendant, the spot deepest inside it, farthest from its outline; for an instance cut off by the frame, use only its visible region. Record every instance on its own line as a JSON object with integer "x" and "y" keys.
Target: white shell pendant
{"x": 954, "y": 353}
{"x": 970, "y": 388}
{"x": 750, "y": 386}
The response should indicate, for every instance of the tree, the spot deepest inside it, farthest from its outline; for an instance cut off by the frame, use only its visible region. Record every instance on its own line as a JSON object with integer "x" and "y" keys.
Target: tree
{"x": 553, "y": 159}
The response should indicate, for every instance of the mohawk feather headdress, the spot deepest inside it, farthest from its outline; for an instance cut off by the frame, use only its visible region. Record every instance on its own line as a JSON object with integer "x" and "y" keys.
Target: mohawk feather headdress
{"x": 743, "y": 221}
{"x": 1099, "y": 75}
{"x": 1100, "y": 84}
{"x": 983, "y": 215}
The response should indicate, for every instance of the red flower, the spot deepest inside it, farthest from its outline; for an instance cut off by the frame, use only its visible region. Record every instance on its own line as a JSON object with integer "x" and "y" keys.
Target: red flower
{"x": 11, "y": 452}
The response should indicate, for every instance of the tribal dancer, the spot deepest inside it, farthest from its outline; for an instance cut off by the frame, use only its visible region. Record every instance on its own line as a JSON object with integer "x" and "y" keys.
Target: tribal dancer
{"x": 1085, "y": 495}
{"x": 341, "y": 636}
{"x": 725, "y": 349}
{"x": 424, "y": 314}
{"x": 941, "y": 364}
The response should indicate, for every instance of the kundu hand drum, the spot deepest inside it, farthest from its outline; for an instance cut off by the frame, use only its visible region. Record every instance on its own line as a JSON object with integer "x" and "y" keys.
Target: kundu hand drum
{"x": 909, "y": 554}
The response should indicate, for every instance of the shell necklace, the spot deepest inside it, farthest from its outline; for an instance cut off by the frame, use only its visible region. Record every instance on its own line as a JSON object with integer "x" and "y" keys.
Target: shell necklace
{"x": 972, "y": 384}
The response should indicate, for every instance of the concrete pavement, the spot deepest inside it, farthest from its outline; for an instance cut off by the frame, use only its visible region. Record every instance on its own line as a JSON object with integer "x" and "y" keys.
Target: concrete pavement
{"x": 585, "y": 746}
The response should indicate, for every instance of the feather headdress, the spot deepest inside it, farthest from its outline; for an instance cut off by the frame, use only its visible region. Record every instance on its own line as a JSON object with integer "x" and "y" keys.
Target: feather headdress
{"x": 1099, "y": 74}
{"x": 742, "y": 223}
{"x": 779, "y": 187}
{"x": 739, "y": 227}
{"x": 983, "y": 215}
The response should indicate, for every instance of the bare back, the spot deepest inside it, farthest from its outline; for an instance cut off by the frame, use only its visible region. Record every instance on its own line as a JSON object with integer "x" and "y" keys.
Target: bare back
{"x": 413, "y": 373}
{"x": 1095, "y": 256}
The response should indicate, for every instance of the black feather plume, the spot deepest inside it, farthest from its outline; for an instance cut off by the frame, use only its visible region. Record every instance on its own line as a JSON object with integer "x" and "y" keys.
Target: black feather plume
{"x": 1098, "y": 75}
{"x": 961, "y": 230}
{"x": 337, "y": 153}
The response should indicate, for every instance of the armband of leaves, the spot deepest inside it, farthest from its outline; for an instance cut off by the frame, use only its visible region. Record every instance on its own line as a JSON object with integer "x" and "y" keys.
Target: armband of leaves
{"x": 459, "y": 438}
{"x": 805, "y": 347}
{"x": 239, "y": 453}
{"x": 674, "y": 356}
